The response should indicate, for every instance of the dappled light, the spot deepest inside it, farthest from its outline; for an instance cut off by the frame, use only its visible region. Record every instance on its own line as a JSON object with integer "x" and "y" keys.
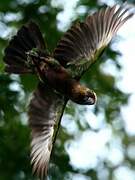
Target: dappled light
{"x": 94, "y": 142}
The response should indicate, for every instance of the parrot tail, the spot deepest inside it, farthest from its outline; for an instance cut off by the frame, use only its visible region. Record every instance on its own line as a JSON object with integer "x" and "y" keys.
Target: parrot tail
{"x": 16, "y": 58}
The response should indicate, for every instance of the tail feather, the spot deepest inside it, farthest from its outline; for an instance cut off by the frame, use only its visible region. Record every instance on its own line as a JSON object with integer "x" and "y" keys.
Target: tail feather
{"x": 15, "y": 51}
{"x": 17, "y": 60}
{"x": 36, "y": 35}
{"x": 24, "y": 37}
{"x": 27, "y": 38}
{"x": 17, "y": 70}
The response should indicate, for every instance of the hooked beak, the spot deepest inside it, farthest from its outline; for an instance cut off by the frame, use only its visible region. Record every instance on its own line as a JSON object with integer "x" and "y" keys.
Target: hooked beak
{"x": 92, "y": 99}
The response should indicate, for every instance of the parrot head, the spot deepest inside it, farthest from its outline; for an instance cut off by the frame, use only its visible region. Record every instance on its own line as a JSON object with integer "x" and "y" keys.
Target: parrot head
{"x": 83, "y": 95}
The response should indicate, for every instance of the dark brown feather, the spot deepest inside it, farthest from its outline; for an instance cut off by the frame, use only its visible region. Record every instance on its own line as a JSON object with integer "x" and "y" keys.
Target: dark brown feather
{"x": 27, "y": 38}
{"x": 36, "y": 35}
{"x": 45, "y": 112}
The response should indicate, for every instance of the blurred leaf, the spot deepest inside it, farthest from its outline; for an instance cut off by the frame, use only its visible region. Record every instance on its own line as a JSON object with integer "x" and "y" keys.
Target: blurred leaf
{"x": 14, "y": 133}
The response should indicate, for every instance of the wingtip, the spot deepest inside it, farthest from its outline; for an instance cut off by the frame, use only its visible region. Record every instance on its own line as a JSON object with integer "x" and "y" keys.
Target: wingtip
{"x": 127, "y": 7}
{"x": 39, "y": 170}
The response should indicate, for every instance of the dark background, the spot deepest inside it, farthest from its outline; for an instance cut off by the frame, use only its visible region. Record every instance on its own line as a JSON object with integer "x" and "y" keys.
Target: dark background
{"x": 15, "y": 92}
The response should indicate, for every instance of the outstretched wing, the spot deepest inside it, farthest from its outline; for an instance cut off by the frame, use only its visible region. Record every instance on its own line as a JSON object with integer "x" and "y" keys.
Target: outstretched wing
{"x": 84, "y": 42}
{"x": 45, "y": 112}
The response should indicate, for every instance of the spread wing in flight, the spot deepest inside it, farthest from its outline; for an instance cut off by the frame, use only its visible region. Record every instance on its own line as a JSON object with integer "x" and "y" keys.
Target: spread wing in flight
{"x": 45, "y": 112}
{"x": 84, "y": 42}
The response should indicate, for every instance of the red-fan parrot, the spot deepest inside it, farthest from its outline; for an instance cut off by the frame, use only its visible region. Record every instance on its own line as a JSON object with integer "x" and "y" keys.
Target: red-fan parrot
{"x": 59, "y": 73}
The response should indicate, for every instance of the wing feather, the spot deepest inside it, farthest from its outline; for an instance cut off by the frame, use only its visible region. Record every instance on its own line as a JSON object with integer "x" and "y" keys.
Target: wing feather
{"x": 84, "y": 42}
{"x": 45, "y": 112}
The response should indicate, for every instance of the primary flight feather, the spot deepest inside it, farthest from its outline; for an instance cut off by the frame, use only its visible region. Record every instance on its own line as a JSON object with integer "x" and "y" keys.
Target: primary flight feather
{"x": 59, "y": 73}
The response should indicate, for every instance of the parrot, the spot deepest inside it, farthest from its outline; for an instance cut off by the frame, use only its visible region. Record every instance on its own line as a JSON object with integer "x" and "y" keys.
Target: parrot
{"x": 59, "y": 73}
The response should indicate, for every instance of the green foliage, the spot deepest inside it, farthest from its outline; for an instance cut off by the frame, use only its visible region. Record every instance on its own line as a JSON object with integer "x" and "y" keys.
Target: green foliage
{"x": 14, "y": 132}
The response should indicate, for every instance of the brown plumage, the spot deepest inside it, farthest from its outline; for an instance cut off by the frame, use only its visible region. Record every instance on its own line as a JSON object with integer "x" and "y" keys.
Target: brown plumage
{"x": 45, "y": 110}
{"x": 59, "y": 74}
{"x": 83, "y": 43}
